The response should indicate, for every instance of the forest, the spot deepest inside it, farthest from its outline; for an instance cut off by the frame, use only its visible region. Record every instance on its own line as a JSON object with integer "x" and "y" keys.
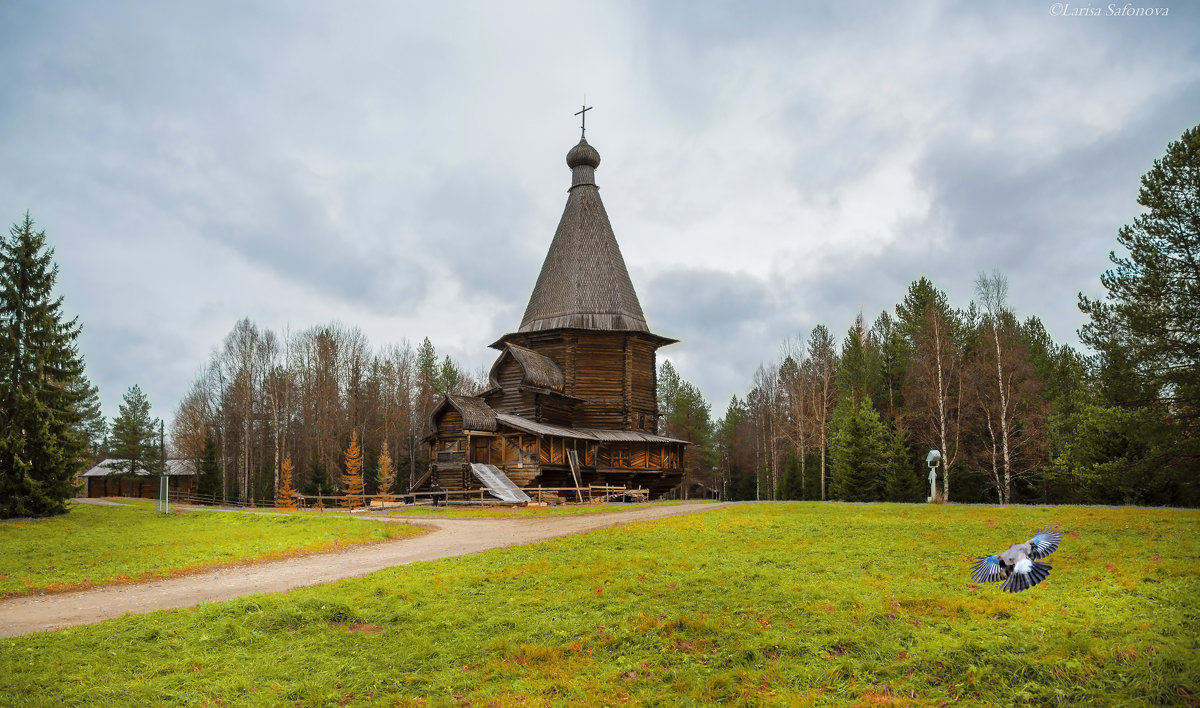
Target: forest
{"x": 263, "y": 396}
{"x": 1017, "y": 417}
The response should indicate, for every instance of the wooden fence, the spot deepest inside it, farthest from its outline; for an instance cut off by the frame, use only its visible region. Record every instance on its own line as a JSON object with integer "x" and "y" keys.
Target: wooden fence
{"x": 591, "y": 494}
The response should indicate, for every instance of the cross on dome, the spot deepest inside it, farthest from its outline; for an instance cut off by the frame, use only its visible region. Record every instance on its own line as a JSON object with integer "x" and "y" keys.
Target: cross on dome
{"x": 583, "y": 118}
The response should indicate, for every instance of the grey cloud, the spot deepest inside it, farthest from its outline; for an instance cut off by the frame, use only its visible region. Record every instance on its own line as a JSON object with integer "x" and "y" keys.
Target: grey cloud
{"x": 726, "y": 323}
{"x": 477, "y": 226}
{"x": 157, "y": 359}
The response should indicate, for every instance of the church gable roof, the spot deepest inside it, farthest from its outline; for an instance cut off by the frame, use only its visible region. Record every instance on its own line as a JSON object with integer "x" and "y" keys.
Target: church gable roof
{"x": 583, "y": 283}
{"x": 475, "y": 412}
{"x": 537, "y": 370}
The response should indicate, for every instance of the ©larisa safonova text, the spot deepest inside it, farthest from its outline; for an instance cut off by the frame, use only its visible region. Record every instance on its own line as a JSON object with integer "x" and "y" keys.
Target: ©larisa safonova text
{"x": 1066, "y": 9}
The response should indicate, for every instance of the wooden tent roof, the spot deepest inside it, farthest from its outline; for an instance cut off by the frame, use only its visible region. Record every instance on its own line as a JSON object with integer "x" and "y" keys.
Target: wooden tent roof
{"x": 584, "y": 283}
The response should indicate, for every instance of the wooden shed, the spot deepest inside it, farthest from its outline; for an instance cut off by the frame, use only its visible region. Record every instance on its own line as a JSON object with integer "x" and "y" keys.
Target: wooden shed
{"x": 106, "y": 480}
{"x": 572, "y": 396}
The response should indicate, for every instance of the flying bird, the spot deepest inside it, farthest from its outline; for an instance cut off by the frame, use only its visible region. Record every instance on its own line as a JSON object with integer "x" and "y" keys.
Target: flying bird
{"x": 1019, "y": 566}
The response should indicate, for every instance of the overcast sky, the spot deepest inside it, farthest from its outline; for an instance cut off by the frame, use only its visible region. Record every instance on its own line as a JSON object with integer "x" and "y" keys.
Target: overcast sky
{"x": 399, "y": 166}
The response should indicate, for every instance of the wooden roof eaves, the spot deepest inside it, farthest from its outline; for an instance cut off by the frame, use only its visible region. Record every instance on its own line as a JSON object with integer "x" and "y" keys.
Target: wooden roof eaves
{"x": 593, "y": 434}
{"x": 657, "y": 339}
{"x": 551, "y": 392}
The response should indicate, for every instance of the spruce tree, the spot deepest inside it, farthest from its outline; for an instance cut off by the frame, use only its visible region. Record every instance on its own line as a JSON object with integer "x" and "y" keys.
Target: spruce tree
{"x": 319, "y": 484}
{"x": 209, "y": 483}
{"x": 92, "y": 428}
{"x": 42, "y": 384}
{"x": 793, "y": 477}
{"x": 859, "y": 452}
{"x": 135, "y": 441}
{"x": 901, "y": 481}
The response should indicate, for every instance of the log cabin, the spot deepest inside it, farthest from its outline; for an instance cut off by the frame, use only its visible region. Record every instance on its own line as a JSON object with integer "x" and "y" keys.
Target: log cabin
{"x": 104, "y": 480}
{"x": 572, "y": 397}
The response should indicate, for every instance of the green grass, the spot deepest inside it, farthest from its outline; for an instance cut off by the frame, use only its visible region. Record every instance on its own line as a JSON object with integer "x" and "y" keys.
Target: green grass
{"x": 93, "y": 545}
{"x": 767, "y": 604}
{"x": 516, "y": 512}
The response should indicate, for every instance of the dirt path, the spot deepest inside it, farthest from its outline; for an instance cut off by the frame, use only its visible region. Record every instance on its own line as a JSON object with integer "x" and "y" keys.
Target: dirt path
{"x": 448, "y": 537}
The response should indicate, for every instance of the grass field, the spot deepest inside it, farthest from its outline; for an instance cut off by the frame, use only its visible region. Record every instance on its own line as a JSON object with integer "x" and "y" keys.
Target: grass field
{"x": 759, "y": 604}
{"x": 94, "y": 545}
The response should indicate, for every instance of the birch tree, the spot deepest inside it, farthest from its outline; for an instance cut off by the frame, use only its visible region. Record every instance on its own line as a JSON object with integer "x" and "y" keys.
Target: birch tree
{"x": 934, "y": 389}
{"x": 1007, "y": 391}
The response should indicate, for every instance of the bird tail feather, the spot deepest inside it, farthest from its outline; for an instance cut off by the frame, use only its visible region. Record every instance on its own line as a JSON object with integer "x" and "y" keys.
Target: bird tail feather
{"x": 1023, "y": 581}
{"x": 1039, "y": 572}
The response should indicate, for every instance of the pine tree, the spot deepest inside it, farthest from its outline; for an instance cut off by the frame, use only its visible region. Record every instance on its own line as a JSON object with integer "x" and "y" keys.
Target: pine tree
{"x": 42, "y": 384}
{"x": 427, "y": 368}
{"x": 285, "y": 496}
{"x": 387, "y": 473}
{"x": 208, "y": 485}
{"x": 449, "y": 377}
{"x": 824, "y": 365}
{"x": 1152, "y": 309}
{"x": 352, "y": 479}
{"x": 135, "y": 441}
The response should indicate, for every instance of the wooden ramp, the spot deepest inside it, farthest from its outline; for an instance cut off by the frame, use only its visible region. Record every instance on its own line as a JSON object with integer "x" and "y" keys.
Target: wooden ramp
{"x": 497, "y": 483}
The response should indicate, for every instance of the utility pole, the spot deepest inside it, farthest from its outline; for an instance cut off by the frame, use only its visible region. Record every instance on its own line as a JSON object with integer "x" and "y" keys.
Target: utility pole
{"x": 164, "y": 495}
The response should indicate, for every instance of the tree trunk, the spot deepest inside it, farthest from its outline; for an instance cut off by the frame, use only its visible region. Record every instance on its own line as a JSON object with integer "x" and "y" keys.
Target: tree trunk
{"x": 1004, "y": 424}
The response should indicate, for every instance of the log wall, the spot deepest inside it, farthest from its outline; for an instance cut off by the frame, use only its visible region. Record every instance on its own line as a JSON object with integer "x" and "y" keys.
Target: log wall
{"x": 613, "y": 372}
{"x": 450, "y": 424}
{"x": 144, "y": 487}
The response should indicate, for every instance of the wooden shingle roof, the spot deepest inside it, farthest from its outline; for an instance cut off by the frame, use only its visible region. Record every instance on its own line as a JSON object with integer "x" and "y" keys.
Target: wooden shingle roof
{"x": 175, "y": 468}
{"x": 476, "y": 413}
{"x": 539, "y": 371}
{"x": 584, "y": 283}
{"x": 593, "y": 434}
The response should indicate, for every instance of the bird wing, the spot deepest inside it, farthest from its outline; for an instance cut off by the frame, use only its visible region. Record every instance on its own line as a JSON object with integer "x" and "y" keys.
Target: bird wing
{"x": 1025, "y": 574}
{"x": 987, "y": 570}
{"x": 1043, "y": 543}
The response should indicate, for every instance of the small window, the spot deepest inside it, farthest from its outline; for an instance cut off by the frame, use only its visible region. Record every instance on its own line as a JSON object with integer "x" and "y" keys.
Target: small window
{"x": 620, "y": 456}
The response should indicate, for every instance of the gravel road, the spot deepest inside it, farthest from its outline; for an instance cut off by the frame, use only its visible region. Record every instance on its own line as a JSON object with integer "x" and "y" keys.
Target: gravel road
{"x": 446, "y": 538}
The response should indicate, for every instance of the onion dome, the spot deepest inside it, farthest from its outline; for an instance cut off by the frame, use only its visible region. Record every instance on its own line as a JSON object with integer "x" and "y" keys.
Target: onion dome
{"x": 583, "y": 161}
{"x": 583, "y": 154}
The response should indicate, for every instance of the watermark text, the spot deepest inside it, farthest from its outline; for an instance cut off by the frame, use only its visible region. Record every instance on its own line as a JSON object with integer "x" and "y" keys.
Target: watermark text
{"x": 1067, "y": 9}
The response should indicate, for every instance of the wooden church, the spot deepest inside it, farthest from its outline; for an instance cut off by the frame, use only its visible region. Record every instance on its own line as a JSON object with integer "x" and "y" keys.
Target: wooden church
{"x": 572, "y": 396}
